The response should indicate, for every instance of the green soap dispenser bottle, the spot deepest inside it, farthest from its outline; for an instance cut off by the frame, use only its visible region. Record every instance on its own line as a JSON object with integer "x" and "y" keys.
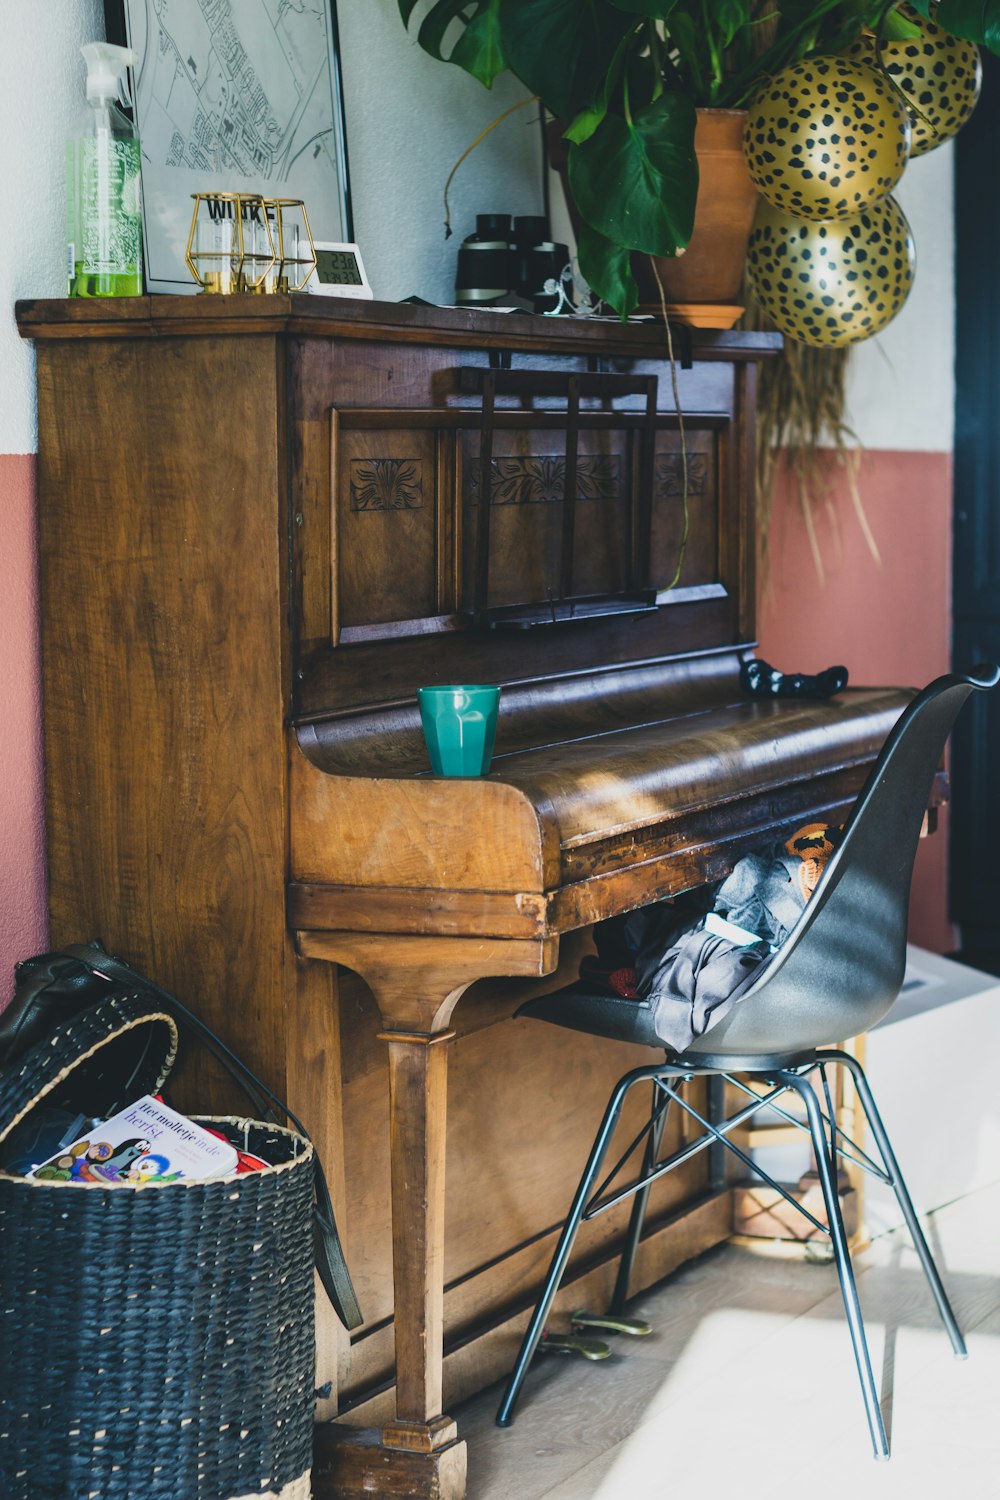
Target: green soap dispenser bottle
{"x": 103, "y": 185}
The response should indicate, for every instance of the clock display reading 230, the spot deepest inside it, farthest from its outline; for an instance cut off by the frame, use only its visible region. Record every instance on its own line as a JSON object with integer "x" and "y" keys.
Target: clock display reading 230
{"x": 338, "y": 266}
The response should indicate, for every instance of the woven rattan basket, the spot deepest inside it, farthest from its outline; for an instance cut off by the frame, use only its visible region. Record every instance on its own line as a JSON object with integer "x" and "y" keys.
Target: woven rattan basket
{"x": 156, "y": 1340}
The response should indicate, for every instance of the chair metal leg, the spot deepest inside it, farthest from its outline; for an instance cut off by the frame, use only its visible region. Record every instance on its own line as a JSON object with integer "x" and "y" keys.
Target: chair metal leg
{"x": 505, "y": 1411}
{"x": 904, "y": 1200}
{"x": 658, "y": 1119}
{"x": 842, "y": 1255}
{"x": 715, "y": 1114}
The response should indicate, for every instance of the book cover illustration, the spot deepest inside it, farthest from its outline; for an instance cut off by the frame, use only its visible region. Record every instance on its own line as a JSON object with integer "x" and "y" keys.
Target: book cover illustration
{"x": 147, "y": 1142}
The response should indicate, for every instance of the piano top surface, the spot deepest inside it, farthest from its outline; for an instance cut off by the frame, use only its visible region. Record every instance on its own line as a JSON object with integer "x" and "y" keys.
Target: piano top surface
{"x": 614, "y": 781}
{"x": 298, "y": 314}
{"x": 667, "y": 758}
{"x": 602, "y": 755}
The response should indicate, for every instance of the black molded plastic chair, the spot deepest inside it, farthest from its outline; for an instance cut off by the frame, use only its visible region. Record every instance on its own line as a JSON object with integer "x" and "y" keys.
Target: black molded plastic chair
{"x": 837, "y": 974}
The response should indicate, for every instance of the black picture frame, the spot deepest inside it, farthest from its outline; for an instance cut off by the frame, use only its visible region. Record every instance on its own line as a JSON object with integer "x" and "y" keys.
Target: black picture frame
{"x": 167, "y": 202}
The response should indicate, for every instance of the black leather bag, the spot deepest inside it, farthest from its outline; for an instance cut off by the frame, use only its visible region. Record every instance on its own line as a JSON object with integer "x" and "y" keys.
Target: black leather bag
{"x": 51, "y": 988}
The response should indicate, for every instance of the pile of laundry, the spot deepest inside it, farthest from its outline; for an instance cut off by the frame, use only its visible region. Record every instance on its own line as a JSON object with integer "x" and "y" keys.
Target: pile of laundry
{"x": 695, "y": 956}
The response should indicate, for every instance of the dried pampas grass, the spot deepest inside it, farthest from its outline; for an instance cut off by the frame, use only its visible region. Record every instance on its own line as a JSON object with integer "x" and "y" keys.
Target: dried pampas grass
{"x": 802, "y": 423}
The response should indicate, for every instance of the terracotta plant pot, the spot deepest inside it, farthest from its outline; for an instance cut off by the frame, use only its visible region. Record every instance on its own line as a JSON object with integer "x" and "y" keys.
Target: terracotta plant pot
{"x": 702, "y": 286}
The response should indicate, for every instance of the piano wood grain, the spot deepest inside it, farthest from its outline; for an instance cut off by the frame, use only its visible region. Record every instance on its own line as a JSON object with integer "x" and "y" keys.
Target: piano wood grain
{"x": 581, "y": 826}
{"x": 230, "y": 511}
{"x": 418, "y": 833}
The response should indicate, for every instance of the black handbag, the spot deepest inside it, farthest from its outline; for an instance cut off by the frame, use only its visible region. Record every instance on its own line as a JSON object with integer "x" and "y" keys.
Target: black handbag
{"x": 51, "y": 988}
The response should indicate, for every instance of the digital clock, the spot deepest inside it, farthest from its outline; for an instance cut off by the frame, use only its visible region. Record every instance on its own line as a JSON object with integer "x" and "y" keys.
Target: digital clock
{"x": 339, "y": 271}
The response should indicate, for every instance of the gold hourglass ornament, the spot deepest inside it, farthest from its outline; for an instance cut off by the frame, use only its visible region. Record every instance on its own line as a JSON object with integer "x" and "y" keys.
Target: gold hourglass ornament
{"x": 294, "y": 251}
{"x": 231, "y": 245}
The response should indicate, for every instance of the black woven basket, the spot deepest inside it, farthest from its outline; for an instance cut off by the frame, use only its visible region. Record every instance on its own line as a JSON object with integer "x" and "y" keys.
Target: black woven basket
{"x": 155, "y": 1340}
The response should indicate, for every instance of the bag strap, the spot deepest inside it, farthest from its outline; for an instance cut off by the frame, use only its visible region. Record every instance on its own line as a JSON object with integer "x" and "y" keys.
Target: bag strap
{"x": 330, "y": 1260}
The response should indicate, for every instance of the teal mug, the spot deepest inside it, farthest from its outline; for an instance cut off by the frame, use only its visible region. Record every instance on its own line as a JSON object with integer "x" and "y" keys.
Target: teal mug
{"x": 460, "y": 725}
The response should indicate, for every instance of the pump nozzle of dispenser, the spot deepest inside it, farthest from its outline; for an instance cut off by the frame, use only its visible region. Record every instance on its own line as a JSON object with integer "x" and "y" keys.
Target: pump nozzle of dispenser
{"x": 106, "y": 75}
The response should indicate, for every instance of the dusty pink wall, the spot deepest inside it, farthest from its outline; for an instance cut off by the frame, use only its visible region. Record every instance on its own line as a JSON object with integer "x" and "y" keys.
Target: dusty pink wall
{"x": 22, "y": 840}
{"x": 888, "y": 624}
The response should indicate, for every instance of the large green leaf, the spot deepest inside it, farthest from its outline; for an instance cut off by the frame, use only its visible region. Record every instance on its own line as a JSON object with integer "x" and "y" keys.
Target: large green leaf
{"x": 561, "y": 48}
{"x": 894, "y": 27}
{"x": 586, "y": 122}
{"x": 975, "y": 20}
{"x": 637, "y": 182}
{"x": 692, "y": 57}
{"x": 479, "y": 49}
{"x": 607, "y": 269}
{"x": 437, "y": 20}
{"x": 729, "y": 16}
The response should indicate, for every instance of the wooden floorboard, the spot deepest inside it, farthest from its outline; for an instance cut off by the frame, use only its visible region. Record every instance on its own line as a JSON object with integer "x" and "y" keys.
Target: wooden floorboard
{"x": 749, "y": 1376}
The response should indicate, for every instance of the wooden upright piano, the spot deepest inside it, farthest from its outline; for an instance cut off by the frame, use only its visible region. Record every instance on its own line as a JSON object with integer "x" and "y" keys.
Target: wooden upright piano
{"x": 264, "y": 523}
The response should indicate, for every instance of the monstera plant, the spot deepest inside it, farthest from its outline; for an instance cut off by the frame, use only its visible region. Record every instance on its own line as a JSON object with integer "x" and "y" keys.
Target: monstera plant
{"x": 627, "y": 77}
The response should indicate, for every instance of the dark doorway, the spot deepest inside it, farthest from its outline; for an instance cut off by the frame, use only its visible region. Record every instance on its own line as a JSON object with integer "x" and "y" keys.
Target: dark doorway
{"x": 975, "y": 818}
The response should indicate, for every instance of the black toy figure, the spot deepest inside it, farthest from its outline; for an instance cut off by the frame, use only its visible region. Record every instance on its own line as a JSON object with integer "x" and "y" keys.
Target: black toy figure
{"x": 761, "y": 680}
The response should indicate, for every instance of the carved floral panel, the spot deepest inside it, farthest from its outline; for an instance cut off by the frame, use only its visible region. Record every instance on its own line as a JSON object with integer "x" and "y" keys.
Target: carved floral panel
{"x": 541, "y": 478}
{"x": 670, "y": 474}
{"x": 386, "y": 484}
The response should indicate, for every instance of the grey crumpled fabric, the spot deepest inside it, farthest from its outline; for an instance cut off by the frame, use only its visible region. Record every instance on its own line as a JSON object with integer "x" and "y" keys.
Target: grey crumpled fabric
{"x": 762, "y": 894}
{"x": 694, "y": 977}
{"x": 691, "y": 976}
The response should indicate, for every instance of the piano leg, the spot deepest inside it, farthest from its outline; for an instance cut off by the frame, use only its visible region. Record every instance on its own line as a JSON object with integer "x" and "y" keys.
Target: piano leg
{"x": 418, "y": 1081}
{"x": 417, "y": 983}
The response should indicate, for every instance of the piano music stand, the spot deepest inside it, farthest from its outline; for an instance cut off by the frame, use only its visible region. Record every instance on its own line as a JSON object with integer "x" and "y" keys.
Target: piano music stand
{"x": 638, "y": 594}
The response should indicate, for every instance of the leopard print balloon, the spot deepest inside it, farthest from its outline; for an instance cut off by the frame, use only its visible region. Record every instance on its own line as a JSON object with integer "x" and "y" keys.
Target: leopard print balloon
{"x": 835, "y": 283}
{"x": 826, "y": 138}
{"x": 939, "y": 73}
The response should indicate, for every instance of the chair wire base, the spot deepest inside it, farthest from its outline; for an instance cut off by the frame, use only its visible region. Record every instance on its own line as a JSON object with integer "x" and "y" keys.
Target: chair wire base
{"x": 829, "y": 1143}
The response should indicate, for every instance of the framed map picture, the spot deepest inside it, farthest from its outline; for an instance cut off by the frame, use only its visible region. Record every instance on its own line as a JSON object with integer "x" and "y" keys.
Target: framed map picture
{"x": 233, "y": 96}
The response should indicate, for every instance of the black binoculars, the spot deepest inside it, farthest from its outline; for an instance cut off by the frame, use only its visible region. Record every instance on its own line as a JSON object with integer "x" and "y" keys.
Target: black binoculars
{"x": 509, "y": 262}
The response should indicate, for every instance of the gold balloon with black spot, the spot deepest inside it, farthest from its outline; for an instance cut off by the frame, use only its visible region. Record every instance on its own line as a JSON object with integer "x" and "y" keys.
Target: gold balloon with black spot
{"x": 835, "y": 283}
{"x": 826, "y": 137}
{"x": 940, "y": 75}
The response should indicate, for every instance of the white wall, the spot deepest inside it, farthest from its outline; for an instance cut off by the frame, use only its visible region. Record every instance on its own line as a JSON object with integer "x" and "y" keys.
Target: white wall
{"x": 41, "y": 99}
{"x": 409, "y": 118}
{"x": 901, "y": 385}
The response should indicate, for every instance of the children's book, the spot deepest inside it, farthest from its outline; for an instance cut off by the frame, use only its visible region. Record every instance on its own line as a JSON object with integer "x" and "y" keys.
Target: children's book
{"x": 147, "y": 1142}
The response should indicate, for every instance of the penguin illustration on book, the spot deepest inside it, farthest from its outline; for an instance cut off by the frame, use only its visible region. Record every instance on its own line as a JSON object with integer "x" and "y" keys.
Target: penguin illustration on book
{"x": 152, "y": 1168}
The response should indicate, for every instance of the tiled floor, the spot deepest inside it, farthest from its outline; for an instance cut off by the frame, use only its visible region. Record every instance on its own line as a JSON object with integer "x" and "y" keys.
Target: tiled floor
{"x": 747, "y": 1387}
